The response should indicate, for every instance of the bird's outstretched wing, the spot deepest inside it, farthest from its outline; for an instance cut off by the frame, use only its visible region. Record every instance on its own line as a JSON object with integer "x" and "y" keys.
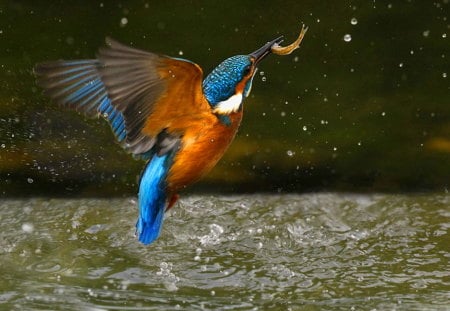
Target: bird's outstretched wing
{"x": 141, "y": 94}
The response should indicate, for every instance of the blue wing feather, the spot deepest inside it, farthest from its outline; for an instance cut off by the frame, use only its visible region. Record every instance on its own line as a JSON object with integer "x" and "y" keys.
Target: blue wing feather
{"x": 78, "y": 85}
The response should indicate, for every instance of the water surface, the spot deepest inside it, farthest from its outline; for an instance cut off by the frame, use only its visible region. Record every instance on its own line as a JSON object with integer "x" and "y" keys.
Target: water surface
{"x": 250, "y": 252}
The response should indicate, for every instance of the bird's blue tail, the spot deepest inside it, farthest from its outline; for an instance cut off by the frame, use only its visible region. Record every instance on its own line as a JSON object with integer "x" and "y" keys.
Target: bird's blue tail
{"x": 152, "y": 199}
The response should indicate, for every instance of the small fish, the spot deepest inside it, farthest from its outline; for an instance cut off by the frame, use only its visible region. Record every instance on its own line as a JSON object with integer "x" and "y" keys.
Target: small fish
{"x": 286, "y": 50}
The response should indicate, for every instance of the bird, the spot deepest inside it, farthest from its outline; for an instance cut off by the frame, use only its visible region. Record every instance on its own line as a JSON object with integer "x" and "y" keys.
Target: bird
{"x": 161, "y": 110}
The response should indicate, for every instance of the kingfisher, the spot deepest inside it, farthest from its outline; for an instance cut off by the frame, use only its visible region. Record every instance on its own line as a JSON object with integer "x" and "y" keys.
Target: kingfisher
{"x": 161, "y": 110}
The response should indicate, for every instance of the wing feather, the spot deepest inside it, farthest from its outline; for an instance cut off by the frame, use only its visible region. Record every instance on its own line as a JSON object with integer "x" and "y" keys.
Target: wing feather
{"x": 141, "y": 94}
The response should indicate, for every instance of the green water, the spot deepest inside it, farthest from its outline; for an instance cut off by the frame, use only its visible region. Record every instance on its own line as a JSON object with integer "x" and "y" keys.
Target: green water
{"x": 367, "y": 114}
{"x": 251, "y": 252}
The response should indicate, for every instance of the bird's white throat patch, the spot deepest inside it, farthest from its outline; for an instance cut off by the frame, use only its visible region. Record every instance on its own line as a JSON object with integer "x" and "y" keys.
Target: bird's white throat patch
{"x": 229, "y": 105}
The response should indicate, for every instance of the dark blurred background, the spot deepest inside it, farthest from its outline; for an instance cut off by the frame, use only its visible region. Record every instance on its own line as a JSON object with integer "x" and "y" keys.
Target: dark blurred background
{"x": 363, "y": 105}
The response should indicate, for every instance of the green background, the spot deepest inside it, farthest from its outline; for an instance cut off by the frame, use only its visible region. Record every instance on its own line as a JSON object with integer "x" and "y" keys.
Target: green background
{"x": 370, "y": 114}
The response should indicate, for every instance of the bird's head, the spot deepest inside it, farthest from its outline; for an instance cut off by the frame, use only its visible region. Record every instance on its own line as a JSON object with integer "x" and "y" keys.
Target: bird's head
{"x": 230, "y": 82}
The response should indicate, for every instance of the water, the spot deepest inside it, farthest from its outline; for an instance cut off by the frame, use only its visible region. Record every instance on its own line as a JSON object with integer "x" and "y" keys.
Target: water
{"x": 249, "y": 252}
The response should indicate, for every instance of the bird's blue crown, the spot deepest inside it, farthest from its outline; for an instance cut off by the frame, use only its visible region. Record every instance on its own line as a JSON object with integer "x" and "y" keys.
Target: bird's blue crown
{"x": 221, "y": 83}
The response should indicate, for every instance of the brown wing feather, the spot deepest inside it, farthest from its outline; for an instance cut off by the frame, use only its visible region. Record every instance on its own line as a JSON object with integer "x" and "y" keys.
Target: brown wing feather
{"x": 184, "y": 100}
{"x": 152, "y": 91}
{"x": 141, "y": 94}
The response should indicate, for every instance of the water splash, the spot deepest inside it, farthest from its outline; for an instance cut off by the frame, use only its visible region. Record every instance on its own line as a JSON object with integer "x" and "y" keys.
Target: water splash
{"x": 214, "y": 250}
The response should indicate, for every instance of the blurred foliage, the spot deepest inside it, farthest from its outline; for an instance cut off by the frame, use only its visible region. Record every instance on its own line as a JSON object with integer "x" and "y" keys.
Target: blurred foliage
{"x": 369, "y": 113}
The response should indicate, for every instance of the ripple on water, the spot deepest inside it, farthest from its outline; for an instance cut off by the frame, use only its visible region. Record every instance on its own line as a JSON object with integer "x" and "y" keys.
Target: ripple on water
{"x": 266, "y": 251}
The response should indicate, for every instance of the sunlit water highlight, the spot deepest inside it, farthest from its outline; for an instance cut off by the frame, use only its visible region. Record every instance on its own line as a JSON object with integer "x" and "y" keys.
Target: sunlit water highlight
{"x": 249, "y": 252}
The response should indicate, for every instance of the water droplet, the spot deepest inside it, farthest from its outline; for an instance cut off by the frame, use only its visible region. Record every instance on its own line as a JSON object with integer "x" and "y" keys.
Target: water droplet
{"x": 334, "y": 148}
{"x": 30, "y": 180}
{"x": 347, "y": 38}
{"x": 426, "y": 33}
{"x": 353, "y": 21}
{"x": 263, "y": 79}
{"x": 180, "y": 53}
{"x": 290, "y": 153}
{"x": 27, "y": 227}
{"x": 305, "y": 128}
{"x": 91, "y": 293}
{"x": 444, "y": 35}
{"x": 123, "y": 21}
{"x": 400, "y": 65}
{"x": 216, "y": 229}
{"x": 444, "y": 75}
{"x": 383, "y": 114}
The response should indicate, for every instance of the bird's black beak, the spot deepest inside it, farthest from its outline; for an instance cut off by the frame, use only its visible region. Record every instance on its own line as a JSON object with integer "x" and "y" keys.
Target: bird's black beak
{"x": 263, "y": 51}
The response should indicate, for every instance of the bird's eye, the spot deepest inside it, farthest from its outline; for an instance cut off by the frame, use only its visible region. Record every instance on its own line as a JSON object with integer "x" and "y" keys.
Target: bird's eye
{"x": 247, "y": 70}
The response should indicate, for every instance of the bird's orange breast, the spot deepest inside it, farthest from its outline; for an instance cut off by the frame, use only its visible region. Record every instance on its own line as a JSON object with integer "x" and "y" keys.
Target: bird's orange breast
{"x": 204, "y": 142}
{"x": 184, "y": 112}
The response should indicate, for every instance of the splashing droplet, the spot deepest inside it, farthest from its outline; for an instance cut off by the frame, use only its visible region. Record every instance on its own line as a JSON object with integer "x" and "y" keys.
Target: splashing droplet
{"x": 27, "y": 227}
{"x": 123, "y": 21}
{"x": 347, "y": 38}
